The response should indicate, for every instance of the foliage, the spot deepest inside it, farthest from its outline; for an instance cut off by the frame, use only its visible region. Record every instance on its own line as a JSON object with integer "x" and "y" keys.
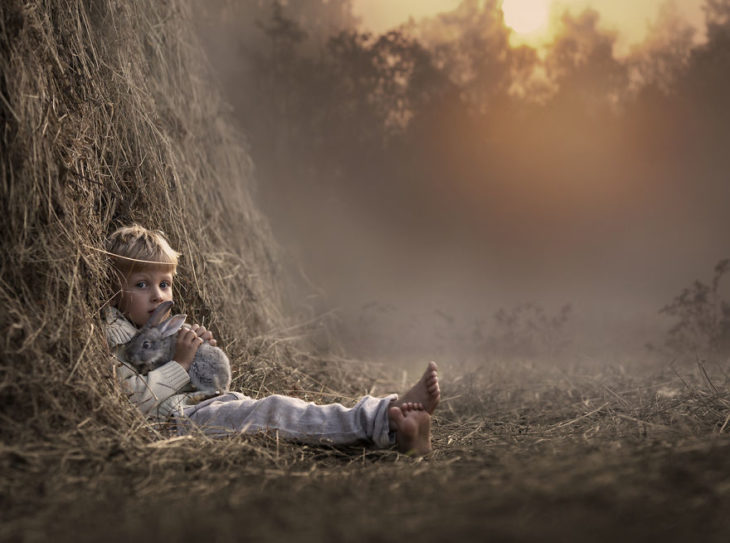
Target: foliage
{"x": 703, "y": 317}
{"x": 528, "y": 331}
{"x": 525, "y": 331}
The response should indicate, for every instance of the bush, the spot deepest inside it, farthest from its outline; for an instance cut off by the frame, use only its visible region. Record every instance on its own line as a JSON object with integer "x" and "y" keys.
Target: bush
{"x": 703, "y": 318}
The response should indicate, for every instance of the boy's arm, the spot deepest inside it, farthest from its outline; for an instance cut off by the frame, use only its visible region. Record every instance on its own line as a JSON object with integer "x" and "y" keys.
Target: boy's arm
{"x": 148, "y": 392}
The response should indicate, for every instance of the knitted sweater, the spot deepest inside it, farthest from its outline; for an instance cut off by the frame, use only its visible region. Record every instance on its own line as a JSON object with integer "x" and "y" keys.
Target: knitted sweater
{"x": 162, "y": 392}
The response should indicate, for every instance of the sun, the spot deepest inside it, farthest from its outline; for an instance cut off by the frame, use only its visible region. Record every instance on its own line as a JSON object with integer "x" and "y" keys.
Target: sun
{"x": 526, "y": 17}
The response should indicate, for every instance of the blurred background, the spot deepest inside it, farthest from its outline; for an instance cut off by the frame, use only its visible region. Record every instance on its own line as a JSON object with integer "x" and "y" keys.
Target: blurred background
{"x": 481, "y": 177}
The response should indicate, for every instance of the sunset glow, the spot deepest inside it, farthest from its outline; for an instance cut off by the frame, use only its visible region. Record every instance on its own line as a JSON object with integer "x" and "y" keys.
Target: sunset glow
{"x": 532, "y": 20}
{"x": 526, "y": 16}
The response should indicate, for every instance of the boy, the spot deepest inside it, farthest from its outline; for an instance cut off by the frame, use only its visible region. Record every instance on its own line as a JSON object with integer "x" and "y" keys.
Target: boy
{"x": 145, "y": 266}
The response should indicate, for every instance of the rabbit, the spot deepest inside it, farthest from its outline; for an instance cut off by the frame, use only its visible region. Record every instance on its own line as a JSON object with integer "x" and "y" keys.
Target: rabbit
{"x": 154, "y": 345}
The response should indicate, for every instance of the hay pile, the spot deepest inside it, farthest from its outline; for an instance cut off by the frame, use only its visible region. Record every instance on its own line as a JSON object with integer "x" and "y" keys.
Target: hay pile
{"x": 108, "y": 118}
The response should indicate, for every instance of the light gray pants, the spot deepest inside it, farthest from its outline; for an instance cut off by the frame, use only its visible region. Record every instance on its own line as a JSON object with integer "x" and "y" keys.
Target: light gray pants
{"x": 293, "y": 418}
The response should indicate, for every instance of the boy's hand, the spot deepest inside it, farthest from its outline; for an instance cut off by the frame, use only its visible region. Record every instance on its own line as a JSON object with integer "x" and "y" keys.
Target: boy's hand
{"x": 205, "y": 334}
{"x": 186, "y": 346}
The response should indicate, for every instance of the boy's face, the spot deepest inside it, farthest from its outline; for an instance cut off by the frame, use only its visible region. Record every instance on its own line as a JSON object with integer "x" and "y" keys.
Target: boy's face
{"x": 142, "y": 292}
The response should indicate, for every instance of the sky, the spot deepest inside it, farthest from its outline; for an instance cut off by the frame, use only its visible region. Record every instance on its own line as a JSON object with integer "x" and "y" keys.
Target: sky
{"x": 629, "y": 18}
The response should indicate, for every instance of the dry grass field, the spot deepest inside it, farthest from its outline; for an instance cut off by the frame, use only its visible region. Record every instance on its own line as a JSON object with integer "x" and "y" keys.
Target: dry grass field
{"x": 522, "y": 453}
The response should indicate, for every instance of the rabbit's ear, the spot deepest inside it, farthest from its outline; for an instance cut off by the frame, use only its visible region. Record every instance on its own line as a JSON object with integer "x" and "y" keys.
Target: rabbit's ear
{"x": 172, "y": 325}
{"x": 157, "y": 314}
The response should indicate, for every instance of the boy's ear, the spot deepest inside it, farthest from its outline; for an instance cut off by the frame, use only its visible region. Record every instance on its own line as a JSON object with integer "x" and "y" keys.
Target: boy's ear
{"x": 172, "y": 325}
{"x": 157, "y": 314}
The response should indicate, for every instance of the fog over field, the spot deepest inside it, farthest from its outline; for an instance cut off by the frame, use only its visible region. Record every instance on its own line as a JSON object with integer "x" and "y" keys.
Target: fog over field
{"x": 428, "y": 176}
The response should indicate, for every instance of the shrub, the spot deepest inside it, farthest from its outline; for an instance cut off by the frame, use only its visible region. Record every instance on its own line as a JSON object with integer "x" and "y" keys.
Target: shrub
{"x": 703, "y": 318}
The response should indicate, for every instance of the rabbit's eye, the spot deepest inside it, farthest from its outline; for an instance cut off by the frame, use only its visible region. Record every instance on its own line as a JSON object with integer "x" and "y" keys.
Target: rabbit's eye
{"x": 146, "y": 345}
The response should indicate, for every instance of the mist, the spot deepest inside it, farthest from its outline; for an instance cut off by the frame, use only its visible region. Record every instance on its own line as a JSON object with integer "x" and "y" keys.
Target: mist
{"x": 423, "y": 179}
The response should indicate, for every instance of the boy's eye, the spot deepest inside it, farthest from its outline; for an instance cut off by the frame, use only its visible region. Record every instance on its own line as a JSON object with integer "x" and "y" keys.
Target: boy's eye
{"x": 141, "y": 284}
{"x": 164, "y": 285}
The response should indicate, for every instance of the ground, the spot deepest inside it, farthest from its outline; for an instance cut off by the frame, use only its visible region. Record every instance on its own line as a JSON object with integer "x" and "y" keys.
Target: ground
{"x": 523, "y": 452}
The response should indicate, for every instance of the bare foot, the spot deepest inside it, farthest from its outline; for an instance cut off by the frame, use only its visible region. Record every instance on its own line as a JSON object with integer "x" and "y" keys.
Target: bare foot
{"x": 426, "y": 391}
{"x": 412, "y": 429}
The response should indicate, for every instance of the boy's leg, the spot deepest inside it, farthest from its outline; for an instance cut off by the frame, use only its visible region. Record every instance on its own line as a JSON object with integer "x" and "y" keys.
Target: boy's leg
{"x": 380, "y": 421}
{"x": 296, "y": 419}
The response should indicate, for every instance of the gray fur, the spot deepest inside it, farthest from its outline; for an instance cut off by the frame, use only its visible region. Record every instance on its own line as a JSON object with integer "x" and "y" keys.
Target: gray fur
{"x": 154, "y": 346}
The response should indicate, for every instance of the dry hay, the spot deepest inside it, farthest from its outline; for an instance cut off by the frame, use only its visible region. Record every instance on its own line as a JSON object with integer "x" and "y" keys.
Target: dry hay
{"x": 108, "y": 118}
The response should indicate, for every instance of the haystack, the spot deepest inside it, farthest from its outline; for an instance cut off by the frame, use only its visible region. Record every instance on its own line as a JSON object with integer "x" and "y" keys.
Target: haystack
{"x": 109, "y": 116}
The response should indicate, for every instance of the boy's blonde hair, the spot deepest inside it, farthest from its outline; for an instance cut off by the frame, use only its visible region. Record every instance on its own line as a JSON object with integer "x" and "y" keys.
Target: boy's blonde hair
{"x": 134, "y": 248}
